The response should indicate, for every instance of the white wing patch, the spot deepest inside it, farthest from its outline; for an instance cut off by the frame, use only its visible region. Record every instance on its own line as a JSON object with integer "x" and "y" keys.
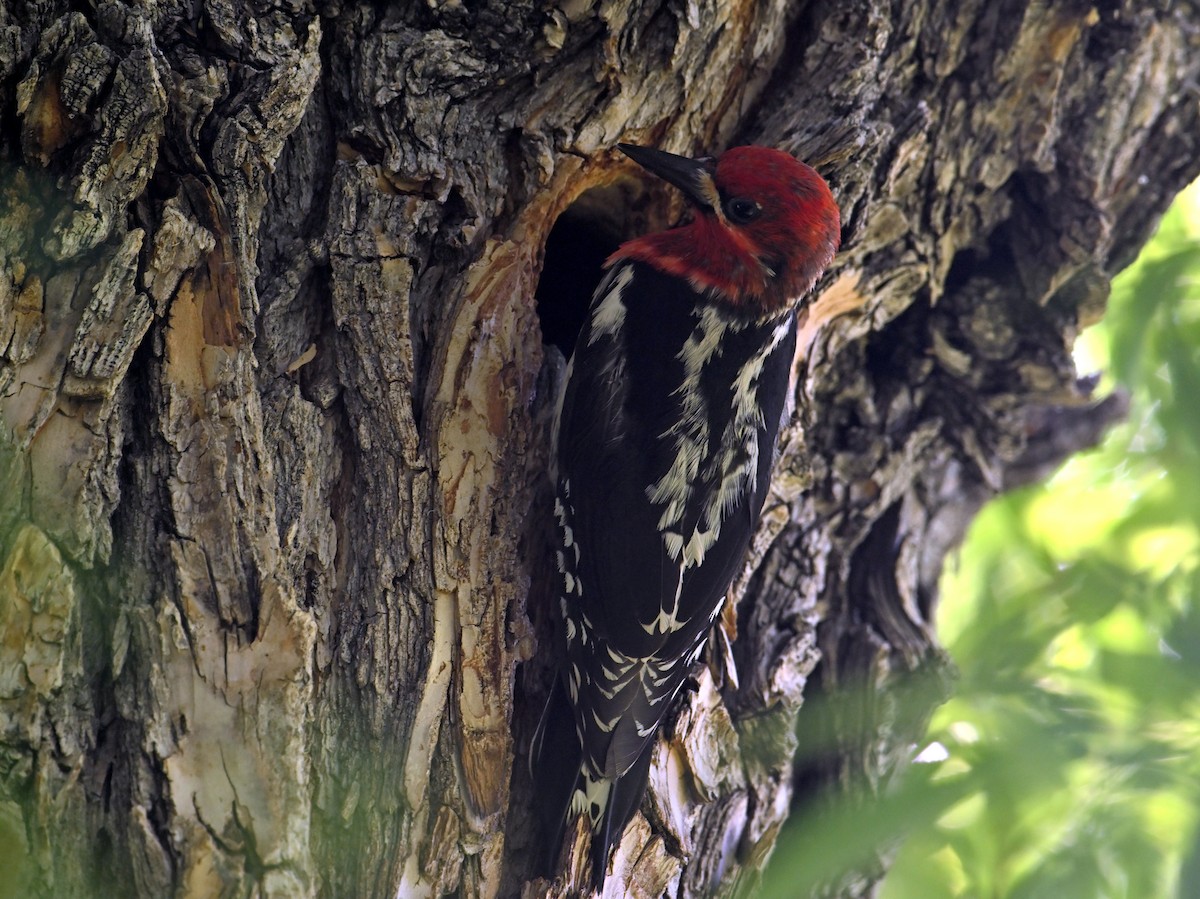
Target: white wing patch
{"x": 745, "y": 422}
{"x": 605, "y": 726}
{"x": 609, "y": 314}
{"x": 691, "y": 431}
{"x": 668, "y": 620}
{"x": 735, "y": 466}
{"x": 571, "y": 581}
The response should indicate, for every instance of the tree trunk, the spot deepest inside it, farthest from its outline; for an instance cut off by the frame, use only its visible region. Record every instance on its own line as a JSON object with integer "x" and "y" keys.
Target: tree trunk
{"x": 275, "y": 573}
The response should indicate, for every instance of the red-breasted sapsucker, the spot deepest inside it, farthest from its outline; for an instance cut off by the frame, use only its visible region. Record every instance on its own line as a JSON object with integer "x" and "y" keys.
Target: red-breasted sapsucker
{"x": 665, "y": 442}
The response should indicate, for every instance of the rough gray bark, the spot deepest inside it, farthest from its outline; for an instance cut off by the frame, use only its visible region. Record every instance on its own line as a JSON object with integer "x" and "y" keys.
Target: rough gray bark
{"x": 273, "y": 547}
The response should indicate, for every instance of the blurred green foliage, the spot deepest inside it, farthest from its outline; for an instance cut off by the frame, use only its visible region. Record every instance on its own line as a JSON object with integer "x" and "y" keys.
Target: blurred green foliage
{"x": 1067, "y": 764}
{"x": 1072, "y": 615}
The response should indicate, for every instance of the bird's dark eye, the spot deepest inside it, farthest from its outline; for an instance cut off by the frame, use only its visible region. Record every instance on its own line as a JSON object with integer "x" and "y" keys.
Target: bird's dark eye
{"x": 740, "y": 210}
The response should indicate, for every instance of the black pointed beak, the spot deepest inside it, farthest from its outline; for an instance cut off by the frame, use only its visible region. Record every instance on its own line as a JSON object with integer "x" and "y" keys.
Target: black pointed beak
{"x": 692, "y": 176}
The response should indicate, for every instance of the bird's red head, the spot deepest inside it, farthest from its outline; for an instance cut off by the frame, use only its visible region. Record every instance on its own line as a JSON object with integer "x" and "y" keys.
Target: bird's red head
{"x": 765, "y": 227}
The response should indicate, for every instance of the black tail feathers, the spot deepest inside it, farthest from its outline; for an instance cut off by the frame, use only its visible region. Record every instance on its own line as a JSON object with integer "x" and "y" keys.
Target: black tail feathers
{"x": 555, "y": 763}
{"x": 623, "y": 801}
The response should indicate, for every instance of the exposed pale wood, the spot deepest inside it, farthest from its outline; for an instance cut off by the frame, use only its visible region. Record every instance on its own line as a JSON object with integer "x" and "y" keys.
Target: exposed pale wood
{"x": 274, "y": 571}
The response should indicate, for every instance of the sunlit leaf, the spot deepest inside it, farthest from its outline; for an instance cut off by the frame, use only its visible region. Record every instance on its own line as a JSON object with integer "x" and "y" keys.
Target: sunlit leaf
{"x": 1075, "y": 732}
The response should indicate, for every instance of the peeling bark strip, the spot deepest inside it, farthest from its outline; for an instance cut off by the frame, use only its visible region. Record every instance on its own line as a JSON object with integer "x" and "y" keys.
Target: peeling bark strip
{"x": 275, "y": 405}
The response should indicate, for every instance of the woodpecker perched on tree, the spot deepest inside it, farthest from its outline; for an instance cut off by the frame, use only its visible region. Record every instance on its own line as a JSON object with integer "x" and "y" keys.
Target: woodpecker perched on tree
{"x": 666, "y": 437}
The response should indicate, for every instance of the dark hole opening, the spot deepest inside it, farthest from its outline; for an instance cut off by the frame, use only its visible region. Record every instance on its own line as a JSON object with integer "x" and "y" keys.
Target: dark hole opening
{"x": 584, "y": 236}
